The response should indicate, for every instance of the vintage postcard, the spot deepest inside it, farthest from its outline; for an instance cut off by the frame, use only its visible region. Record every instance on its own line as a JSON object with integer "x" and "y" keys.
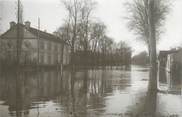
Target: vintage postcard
{"x": 90, "y": 58}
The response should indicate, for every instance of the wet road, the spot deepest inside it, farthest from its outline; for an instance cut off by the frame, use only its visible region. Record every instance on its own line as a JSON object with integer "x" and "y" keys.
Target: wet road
{"x": 88, "y": 93}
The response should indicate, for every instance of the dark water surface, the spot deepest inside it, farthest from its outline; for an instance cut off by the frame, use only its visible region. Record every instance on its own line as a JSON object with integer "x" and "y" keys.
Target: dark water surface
{"x": 88, "y": 93}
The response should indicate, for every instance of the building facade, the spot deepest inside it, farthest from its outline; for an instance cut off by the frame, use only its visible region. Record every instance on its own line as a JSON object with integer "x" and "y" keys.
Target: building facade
{"x": 170, "y": 65}
{"x": 32, "y": 46}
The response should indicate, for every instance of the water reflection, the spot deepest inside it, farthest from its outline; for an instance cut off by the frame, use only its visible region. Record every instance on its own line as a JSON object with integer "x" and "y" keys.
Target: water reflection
{"x": 170, "y": 82}
{"x": 165, "y": 103}
{"x": 98, "y": 92}
{"x": 22, "y": 90}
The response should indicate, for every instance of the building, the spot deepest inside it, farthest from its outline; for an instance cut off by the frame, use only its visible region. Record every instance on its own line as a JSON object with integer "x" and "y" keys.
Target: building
{"x": 170, "y": 62}
{"x": 170, "y": 69}
{"x": 166, "y": 59}
{"x": 171, "y": 58}
{"x": 32, "y": 46}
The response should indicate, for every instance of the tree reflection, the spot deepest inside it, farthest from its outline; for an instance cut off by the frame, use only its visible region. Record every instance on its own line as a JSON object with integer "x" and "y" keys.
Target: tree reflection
{"x": 149, "y": 104}
{"x": 20, "y": 89}
{"x": 75, "y": 93}
{"x": 146, "y": 107}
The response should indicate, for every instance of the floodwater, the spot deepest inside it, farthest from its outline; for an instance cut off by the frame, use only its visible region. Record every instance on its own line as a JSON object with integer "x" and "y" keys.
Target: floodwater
{"x": 105, "y": 92}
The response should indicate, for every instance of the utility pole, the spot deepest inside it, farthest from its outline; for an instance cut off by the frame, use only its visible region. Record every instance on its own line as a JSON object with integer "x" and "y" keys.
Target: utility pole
{"x": 38, "y": 42}
{"x": 18, "y": 32}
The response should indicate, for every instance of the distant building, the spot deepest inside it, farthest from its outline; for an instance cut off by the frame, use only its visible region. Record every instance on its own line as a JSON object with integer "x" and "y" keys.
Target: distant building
{"x": 37, "y": 47}
{"x": 141, "y": 59}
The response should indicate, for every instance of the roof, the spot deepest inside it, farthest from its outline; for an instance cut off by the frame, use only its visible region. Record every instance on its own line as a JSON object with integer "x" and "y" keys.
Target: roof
{"x": 35, "y": 32}
{"x": 165, "y": 53}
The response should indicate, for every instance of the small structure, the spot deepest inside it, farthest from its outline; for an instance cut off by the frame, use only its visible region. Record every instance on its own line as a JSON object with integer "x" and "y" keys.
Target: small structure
{"x": 36, "y": 47}
{"x": 171, "y": 62}
{"x": 166, "y": 59}
{"x": 169, "y": 71}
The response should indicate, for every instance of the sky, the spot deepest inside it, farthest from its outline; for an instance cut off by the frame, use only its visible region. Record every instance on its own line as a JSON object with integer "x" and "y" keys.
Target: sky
{"x": 111, "y": 12}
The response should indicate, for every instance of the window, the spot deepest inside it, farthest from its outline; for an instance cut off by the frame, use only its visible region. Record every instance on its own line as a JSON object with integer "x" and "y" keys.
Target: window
{"x": 60, "y": 49}
{"x": 49, "y": 59}
{"x": 42, "y": 46}
{"x": 42, "y": 58}
{"x": 49, "y": 46}
{"x": 56, "y": 47}
{"x": 55, "y": 58}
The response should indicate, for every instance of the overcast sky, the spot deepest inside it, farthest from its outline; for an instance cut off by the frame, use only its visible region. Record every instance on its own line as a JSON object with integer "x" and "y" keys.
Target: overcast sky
{"x": 111, "y": 12}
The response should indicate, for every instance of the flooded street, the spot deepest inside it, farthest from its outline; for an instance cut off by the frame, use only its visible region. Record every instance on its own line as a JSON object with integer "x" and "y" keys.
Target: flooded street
{"x": 115, "y": 92}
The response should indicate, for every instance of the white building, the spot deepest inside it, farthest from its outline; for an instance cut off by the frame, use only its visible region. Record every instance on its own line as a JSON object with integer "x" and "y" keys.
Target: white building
{"x": 37, "y": 47}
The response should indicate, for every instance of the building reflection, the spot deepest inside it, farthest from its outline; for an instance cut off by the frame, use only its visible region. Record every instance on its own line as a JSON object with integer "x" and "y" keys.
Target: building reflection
{"x": 170, "y": 82}
{"x": 83, "y": 93}
{"x": 75, "y": 92}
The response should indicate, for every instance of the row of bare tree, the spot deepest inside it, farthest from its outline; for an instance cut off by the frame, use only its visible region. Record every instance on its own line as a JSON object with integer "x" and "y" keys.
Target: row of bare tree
{"x": 87, "y": 37}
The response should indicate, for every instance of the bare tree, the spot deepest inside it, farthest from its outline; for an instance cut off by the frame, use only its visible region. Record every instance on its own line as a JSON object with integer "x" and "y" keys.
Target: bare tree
{"x": 63, "y": 33}
{"x": 146, "y": 18}
{"x": 79, "y": 18}
{"x": 98, "y": 31}
{"x": 85, "y": 23}
{"x": 85, "y": 36}
{"x": 73, "y": 8}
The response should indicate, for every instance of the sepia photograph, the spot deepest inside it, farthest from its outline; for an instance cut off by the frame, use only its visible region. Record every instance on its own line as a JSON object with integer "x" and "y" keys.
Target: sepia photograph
{"x": 90, "y": 58}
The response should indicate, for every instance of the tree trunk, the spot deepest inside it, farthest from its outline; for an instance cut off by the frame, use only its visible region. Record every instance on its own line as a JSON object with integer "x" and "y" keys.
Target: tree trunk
{"x": 73, "y": 46}
{"x": 150, "y": 104}
{"x": 72, "y": 56}
{"x": 85, "y": 59}
{"x": 152, "y": 42}
{"x": 62, "y": 56}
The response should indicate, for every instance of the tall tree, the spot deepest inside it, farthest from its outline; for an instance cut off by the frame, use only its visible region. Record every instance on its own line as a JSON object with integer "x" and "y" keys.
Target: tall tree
{"x": 73, "y": 8}
{"x": 146, "y": 18}
{"x": 85, "y": 23}
{"x": 79, "y": 18}
{"x": 64, "y": 33}
{"x": 98, "y": 31}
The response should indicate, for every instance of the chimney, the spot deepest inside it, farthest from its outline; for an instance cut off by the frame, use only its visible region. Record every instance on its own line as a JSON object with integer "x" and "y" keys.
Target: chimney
{"x": 27, "y": 24}
{"x": 12, "y": 24}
